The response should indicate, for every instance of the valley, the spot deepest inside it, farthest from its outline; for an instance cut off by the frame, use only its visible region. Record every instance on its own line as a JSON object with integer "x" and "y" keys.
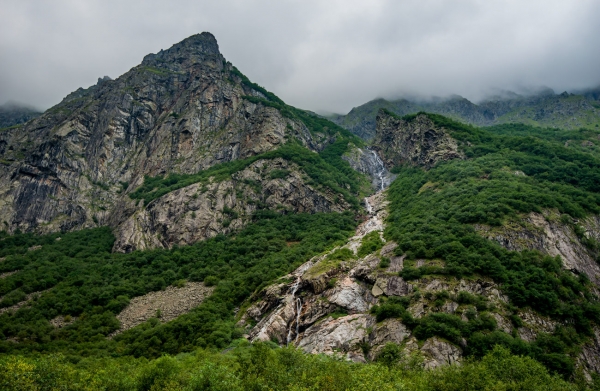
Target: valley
{"x": 182, "y": 227}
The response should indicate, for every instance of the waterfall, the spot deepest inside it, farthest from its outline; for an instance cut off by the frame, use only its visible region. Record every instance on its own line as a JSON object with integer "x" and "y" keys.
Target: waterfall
{"x": 297, "y": 303}
{"x": 368, "y": 206}
{"x": 380, "y": 170}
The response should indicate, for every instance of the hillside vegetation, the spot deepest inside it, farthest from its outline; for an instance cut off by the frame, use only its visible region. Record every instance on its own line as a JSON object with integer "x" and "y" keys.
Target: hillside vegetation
{"x": 511, "y": 170}
{"x": 78, "y": 276}
{"x": 263, "y": 367}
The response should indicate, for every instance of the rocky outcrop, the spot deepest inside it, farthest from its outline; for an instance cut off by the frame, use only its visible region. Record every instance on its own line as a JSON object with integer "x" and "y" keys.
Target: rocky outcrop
{"x": 589, "y": 358}
{"x": 546, "y": 233}
{"x": 181, "y": 110}
{"x": 345, "y": 334}
{"x": 324, "y": 306}
{"x": 439, "y": 352}
{"x": 417, "y": 141}
{"x": 203, "y": 210}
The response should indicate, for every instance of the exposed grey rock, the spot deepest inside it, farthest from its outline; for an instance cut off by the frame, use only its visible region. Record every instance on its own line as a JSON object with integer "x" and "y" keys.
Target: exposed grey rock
{"x": 201, "y": 211}
{"x": 449, "y": 307}
{"x": 393, "y": 285}
{"x": 388, "y": 331}
{"x": 368, "y": 162}
{"x": 589, "y": 357}
{"x": 543, "y": 232}
{"x": 439, "y": 352}
{"x": 181, "y": 111}
{"x": 350, "y": 295}
{"x": 342, "y": 335}
{"x": 419, "y": 141}
{"x": 503, "y": 323}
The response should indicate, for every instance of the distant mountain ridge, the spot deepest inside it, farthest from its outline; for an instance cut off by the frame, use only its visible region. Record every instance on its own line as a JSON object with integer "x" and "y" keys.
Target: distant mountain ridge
{"x": 12, "y": 114}
{"x": 545, "y": 108}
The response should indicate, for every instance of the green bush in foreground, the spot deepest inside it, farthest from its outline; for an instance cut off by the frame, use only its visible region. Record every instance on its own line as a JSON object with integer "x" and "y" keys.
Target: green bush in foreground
{"x": 262, "y": 367}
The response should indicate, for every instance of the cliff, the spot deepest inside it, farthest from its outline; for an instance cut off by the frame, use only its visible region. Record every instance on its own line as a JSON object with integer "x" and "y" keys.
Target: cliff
{"x": 181, "y": 111}
{"x": 417, "y": 141}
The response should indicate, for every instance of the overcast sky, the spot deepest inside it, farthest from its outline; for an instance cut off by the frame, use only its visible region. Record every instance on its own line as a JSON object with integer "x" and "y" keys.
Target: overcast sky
{"x": 326, "y": 55}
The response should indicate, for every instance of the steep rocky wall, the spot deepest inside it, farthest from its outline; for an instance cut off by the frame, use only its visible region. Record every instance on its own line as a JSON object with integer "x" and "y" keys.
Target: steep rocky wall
{"x": 418, "y": 141}
{"x": 203, "y": 210}
{"x": 545, "y": 233}
{"x": 182, "y": 110}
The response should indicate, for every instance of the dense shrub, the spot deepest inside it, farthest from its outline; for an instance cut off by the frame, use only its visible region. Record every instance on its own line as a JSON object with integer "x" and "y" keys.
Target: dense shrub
{"x": 262, "y": 367}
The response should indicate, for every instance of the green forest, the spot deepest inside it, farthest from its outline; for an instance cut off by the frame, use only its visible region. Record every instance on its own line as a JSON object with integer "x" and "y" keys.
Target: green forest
{"x": 92, "y": 283}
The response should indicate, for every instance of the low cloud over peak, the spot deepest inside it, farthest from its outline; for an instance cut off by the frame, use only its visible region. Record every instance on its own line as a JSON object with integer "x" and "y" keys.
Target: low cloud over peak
{"x": 322, "y": 56}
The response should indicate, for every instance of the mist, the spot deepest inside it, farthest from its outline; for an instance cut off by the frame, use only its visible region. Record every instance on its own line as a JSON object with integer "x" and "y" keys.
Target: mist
{"x": 325, "y": 56}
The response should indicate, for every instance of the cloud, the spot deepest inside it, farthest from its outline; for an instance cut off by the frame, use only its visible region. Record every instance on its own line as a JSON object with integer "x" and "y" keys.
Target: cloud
{"x": 319, "y": 55}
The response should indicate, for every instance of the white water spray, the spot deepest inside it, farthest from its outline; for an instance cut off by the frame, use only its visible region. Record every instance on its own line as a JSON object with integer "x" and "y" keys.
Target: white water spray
{"x": 368, "y": 206}
{"x": 297, "y": 303}
{"x": 380, "y": 170}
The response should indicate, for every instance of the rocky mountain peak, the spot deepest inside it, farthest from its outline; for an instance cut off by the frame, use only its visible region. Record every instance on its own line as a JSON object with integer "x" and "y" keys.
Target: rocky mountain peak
{"x": 182, "y": 111}
{"x": 190, "y": 51}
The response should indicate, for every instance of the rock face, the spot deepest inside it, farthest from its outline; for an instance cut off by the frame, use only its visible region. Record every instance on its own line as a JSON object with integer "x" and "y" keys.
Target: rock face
{"x": 418, "y": 141}
{"x": 545, "y": 233}
{"x": 368, "y": 162}
{"x": 181, "y": 110}
{"x": 201, "y": 211}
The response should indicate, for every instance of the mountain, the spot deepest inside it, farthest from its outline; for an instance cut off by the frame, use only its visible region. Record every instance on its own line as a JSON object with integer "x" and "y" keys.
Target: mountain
{"x": 14, "y": 114}
{"x": 181, "y": 111}
{"x": 178, "y": 226}
{"x": 544, "y": 109}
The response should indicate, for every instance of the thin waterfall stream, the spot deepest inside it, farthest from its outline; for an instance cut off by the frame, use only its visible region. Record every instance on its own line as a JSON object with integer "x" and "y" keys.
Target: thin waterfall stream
{"x": 297, "y": 304}
{"x": 380, "y": 170}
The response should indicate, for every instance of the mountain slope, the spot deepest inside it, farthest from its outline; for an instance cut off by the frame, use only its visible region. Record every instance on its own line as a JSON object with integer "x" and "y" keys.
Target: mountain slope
{"x": 181, "y": 111}
{"x": 483, "y": 240}
{"x": 198, "y": 210}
